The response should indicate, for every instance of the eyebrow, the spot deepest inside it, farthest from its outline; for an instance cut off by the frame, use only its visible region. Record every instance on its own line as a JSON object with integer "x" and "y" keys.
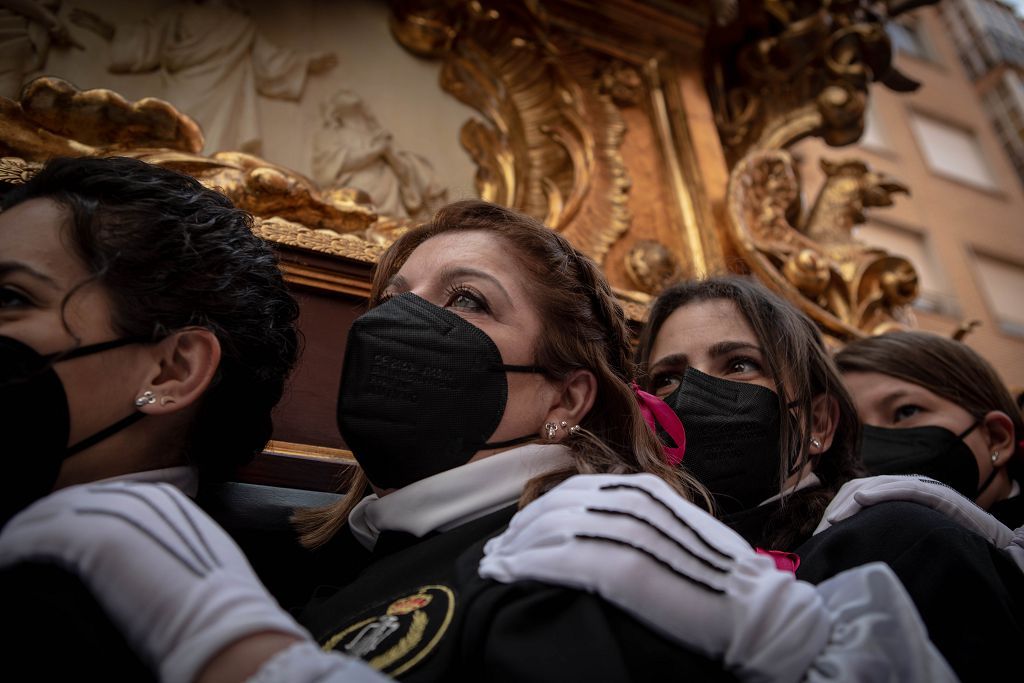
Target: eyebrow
{"x": 719, "y": 349}
{"x": 12, "y": 267}
{"x": 723, "y": 347}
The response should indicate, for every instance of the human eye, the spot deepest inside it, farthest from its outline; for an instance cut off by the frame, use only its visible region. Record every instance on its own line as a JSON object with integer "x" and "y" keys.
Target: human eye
{"x": 465, "y": 298}
{"x": 664, "y": 383}
{"x": 12, "y": 298}
{"x": 905, "y": 412}
{"x": 743, "y": 365}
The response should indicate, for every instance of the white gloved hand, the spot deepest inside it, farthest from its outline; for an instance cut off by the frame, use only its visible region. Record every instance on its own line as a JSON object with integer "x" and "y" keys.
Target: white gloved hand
{"x": 857, "y": 494}
{"x": 1015, "y": 548}
{"x": 639, "y": 545}
{"x": 171, "y": 579}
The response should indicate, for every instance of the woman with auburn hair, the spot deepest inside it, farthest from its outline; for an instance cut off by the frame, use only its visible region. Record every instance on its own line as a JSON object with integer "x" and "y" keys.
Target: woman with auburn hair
{"x": 490, "y": 374}
{"x": 933, "y": 406}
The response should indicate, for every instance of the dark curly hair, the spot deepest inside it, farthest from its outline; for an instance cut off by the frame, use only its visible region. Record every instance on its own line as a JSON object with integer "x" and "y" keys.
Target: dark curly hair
{"x": 173, "y": 254}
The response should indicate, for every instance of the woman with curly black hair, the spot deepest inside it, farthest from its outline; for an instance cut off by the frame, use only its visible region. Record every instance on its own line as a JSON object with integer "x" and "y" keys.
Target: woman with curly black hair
{"x": 145, "y": 336}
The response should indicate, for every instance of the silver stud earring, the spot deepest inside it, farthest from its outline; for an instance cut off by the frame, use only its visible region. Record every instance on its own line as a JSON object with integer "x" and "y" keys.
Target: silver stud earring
{"x": 815, "y": 442}
{"x": 575, "y": 429}
{"x": 563, "y": 424}
{"x": 995, "y": 456}
{"x": 551, "y": 428}
{"x": 147, "y": 398}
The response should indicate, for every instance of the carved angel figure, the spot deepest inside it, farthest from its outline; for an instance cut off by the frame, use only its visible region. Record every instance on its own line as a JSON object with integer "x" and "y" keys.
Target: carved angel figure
{"x": 213, "y": 62}
{"x": 354, "y": 150}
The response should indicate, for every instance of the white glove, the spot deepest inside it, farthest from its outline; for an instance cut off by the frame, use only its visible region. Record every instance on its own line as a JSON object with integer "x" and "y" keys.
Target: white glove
{"x": 639, "y": 545}
{"x": 306, "y": 662}
{"x": 174, "y": 583}
{"x": 857, "y": 494}
{"x": 1015, "y": 549}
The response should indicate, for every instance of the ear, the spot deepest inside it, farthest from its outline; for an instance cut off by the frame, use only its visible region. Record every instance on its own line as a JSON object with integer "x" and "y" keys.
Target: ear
{"x": 574, "y": 401}
{"x": 997, "y": 430}
{"x": 186, "y": 363}
{"x": 824, "y": 419}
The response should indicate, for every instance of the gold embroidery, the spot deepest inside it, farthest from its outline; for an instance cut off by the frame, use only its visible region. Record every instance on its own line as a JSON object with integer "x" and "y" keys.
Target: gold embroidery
{"x": 404, "y": 646}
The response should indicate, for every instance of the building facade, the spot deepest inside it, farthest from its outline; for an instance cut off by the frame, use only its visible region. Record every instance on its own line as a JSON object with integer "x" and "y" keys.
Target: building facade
{"x": 962, "y": 225}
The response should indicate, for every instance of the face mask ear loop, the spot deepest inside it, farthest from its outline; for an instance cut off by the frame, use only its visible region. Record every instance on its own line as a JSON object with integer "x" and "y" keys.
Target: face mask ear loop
{"x": 974, "y": 425}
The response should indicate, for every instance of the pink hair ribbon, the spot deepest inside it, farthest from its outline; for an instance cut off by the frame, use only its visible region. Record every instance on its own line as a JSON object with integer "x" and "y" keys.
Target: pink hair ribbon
{"x": 787, "y": 562}
{"x": 657, "y": 413}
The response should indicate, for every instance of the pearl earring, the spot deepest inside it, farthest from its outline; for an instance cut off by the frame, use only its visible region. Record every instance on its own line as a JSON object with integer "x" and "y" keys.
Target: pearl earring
{"x": 995, "y": 456}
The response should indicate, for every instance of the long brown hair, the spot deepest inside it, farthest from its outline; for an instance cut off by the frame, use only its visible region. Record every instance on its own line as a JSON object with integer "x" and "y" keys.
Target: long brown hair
{"x": 945, "y": 367}
{"x": 798, "y": 363}
{"x": 584, "y": 328}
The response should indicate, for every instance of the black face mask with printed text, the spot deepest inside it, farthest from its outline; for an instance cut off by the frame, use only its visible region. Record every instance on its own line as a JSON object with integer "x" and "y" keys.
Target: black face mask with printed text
{"x": 422, "y": 390}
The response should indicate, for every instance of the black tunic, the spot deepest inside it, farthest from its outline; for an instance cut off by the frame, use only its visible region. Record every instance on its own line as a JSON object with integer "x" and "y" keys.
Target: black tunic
{"x": 420, "y": 612}
{"x": 969, "y": 594}
{"x": 54, "y": 630}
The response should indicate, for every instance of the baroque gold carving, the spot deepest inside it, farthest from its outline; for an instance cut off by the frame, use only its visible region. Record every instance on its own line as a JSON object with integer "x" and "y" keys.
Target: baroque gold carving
{"x": 53, "y": 118}
{"x": 651, "y": 267}
{"x": 785, "y": 72}
{"x": 848, "y": 288}
{"x": 548, "y": 139}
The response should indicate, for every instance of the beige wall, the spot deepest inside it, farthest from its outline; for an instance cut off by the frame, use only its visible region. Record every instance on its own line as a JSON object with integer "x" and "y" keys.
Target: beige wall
{"x": 956, "y": 220}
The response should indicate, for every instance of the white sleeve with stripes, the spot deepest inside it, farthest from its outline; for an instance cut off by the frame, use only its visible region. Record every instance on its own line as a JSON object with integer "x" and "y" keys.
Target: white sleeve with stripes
{"x": 635, "y": 542}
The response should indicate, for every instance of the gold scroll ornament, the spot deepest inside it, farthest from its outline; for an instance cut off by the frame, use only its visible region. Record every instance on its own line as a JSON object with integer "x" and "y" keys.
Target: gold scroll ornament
{"x": 804, "y": 71}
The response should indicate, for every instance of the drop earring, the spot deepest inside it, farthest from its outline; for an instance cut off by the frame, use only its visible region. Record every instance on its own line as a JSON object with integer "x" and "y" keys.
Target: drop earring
{"x": 551, "y": 428}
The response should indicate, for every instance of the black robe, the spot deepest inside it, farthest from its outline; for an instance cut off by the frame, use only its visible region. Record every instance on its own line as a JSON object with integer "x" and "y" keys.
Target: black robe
{"x": 420, "y": 612}
{"x": 969, "y": 594}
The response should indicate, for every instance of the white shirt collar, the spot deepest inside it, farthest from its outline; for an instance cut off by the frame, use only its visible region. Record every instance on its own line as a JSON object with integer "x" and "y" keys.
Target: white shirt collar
{"x": 182, "y": 477}
{"x": 810, "y": 480}
{"x": 456, "y": 496}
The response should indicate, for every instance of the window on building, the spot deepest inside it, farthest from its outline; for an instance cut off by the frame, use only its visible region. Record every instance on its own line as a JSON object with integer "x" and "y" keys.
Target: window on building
{"x": 952, "y": 151}
{"x": 907, "y": 37}
{"x": 1003, "y": 284}
{"x": 913, "y": 246}
{"x": 873, "y": 137}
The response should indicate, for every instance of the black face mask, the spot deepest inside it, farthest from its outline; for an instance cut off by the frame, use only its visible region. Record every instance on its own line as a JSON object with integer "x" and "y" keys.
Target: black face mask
{"x": 35, "y": 422}
{"x": 421, "y": 391}
{"x": 934, "y": 452}
{"x": 732, "y": 438}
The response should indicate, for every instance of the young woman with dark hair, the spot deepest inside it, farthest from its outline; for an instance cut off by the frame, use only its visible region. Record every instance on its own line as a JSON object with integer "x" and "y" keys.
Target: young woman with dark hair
{"x": 145, "y": 334}
{"x": 773, "y": 434}
{"x": 933, "y": 406}
{"x": 749, "y": 374}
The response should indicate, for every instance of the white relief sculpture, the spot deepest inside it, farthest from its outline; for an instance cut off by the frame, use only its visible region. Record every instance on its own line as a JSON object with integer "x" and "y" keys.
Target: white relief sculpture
{"x": 353, "y": 149}
{"x": 213, "y": 62}
{"x": 27, "y": 31}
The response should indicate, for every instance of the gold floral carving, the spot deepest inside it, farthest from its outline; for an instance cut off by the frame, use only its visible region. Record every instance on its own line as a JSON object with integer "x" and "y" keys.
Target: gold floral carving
{"x": 789, "y": 71}
{"x": 54, "y": 118}
{"x": 548, "y": 139}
